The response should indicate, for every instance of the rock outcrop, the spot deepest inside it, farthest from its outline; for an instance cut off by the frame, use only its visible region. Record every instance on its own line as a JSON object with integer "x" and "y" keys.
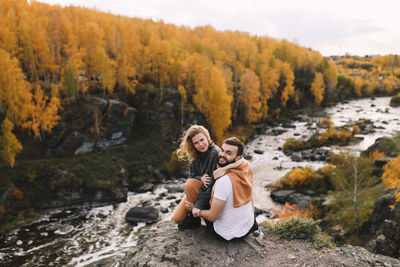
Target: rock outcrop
{"x": 92, "y": 124}
{"x": 395, "y": 101}
{"x": 146, "y": 214}
{"x": 67, "y": 190}
{"x": 164, "y": 245}
{"x": 292, "y": 197}
{"x": 384, "y": 226}
{"x": 388, "y": 145}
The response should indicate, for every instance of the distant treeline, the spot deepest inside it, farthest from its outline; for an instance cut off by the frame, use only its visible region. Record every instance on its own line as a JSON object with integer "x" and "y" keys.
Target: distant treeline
{"x": 50, "y": 56}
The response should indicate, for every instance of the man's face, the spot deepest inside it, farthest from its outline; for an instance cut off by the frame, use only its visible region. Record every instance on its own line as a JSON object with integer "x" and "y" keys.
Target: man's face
{"x": 200, "y": 142}
{"x": 227, "y": 155}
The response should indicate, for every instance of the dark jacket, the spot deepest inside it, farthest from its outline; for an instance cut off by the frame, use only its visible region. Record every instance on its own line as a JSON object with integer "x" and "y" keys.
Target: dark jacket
{"x": 206, "y": 163}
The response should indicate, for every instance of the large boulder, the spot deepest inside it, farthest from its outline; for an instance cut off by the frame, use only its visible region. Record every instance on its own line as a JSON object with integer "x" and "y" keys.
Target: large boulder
{"x": 164, "y": 245}
{"x": 300, "y": 200}
{"x": 92, "y": 124}
{"x": 395, "y": 101}
{"x": 146, "y": 214}
{"x": 388, "y": 145}
{"x": 384, "y": 226}
{"x": 281, "y": 196}
{"x": 296, "y": 157}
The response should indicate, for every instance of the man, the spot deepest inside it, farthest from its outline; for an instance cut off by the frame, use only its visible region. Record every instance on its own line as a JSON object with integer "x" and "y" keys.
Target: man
{"x": 231, "y": 213}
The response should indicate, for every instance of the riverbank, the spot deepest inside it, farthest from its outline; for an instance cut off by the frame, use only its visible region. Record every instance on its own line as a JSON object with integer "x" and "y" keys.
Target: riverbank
{"x": 85, "y": 234}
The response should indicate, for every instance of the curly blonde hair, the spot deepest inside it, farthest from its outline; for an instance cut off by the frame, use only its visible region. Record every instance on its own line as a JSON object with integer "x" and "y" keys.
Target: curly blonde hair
{"x": 186, "y": 150}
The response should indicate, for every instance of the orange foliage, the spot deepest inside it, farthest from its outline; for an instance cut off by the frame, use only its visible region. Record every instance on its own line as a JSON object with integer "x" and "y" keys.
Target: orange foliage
{"x": 18, "y": 194}
{"x": 288, "y": 90}
{"x": 355, "y": 130}
{"x": 213, "y": 100}
{"x": 9, "y": 145}
{"x": 43, "y": 113}
{"x": 288, "y": 211}
{"x": 358, "y": 83}
{"x": 326, "y": 122}
{"x": 376, "y": 154}
{"x": 80, "y": 50}
{"x": 391, "y": 176}
{"x": 318, "y": 88}
{"x": 299, "y": 177}
{"x": 126, "y": 110}
{"x": 250, "y": 98}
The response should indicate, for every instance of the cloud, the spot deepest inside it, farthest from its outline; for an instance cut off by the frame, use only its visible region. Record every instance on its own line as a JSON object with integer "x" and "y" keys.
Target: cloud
{"x": 356, "y": 26}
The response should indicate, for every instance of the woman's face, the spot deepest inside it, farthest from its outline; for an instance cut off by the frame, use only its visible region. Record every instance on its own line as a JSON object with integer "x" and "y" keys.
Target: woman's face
{"x": 200, "y": 142}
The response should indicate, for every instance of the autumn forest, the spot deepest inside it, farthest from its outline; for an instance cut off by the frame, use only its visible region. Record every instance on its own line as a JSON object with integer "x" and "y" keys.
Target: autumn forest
{"x": 51, "y": 56}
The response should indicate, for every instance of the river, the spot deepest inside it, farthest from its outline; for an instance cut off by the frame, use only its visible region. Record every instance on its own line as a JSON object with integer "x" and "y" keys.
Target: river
{"x": 84, "y": 235}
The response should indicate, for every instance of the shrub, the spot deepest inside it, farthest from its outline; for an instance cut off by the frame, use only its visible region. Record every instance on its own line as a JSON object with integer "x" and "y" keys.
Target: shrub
{"x": 301, "y": 177}
{"x": 355, "y": 130}
{"x": 355, "y": 191}
{"x": 395, "y": 101}
{"x": 376, "y": 154}
{"x": 175, "y": 166}
{"x": 296, "y": 228}
{"x": 331, "y": 136}
{"x": 300, "y": 228}
{"x": 305, "y": 178}
{"x": 288, "y": 211}
{"x": 293, "y": 144}
{"x": 322, "y": 240}
{"x": 326, "y": 122}
{"x": 18, "y": 194}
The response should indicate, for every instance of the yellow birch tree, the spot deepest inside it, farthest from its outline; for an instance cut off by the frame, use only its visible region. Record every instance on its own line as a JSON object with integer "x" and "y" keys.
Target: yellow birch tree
{"x": 9, "y": 144}
{"x": 318, "y": 88}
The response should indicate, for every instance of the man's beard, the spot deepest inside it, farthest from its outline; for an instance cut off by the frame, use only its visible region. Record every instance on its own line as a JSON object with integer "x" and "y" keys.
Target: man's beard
{"x": 226, "y": 163}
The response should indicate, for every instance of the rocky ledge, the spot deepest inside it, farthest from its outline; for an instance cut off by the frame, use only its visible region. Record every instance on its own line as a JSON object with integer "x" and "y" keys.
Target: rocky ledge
{"x": 164, "y": 245}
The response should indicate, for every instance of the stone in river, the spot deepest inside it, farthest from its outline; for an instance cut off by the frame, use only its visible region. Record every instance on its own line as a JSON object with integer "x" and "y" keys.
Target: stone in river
{"x": 257, "y": 151}
{"x": 300, "y": 200}
{"x": 164, "y": 210}
{"x": 145, "y": 187}
{"x": 296, "y": 157}
{"x": 147, "y": 214}
{"x": 281, "y": 196}
{"x": 248, "y": 156}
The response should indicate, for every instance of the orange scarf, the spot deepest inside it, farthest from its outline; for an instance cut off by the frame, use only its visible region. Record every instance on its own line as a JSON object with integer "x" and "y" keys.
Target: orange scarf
{"x": 242, "y": 181}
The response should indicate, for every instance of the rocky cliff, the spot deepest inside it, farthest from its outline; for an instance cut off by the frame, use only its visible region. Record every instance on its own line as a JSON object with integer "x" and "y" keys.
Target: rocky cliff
{"x": 384, "y": 226}
{"x": 164, "y": 245}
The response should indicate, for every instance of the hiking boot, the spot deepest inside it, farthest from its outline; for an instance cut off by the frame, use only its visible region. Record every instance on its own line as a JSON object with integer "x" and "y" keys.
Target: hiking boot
{"x": 189, "y": 222}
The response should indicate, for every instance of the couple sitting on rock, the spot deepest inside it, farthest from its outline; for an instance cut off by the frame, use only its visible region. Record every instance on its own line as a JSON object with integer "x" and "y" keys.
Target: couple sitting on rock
{"x": 219, "y": 188}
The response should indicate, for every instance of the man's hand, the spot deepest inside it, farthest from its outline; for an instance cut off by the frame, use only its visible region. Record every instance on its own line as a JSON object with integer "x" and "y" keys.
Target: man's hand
{"x": 196, "y": 212}
{"x": 206, "y": 180}
{"x": 189, "y": 205}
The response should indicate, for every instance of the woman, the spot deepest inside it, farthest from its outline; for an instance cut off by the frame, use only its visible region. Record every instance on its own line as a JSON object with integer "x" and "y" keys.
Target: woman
{"x": 198, "y": 148}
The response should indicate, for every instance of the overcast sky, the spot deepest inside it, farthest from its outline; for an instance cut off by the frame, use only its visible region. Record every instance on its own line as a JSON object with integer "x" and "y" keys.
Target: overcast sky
{"x": 331, "y": 27}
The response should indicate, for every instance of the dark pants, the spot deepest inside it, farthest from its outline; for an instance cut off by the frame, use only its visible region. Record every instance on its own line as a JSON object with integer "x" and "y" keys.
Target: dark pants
{"x": 210, "y": 227}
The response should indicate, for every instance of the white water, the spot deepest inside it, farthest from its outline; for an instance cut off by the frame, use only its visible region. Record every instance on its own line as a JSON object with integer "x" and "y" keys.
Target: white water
{"x": 81, "y": 236}
{"x": 266, "y": 169}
